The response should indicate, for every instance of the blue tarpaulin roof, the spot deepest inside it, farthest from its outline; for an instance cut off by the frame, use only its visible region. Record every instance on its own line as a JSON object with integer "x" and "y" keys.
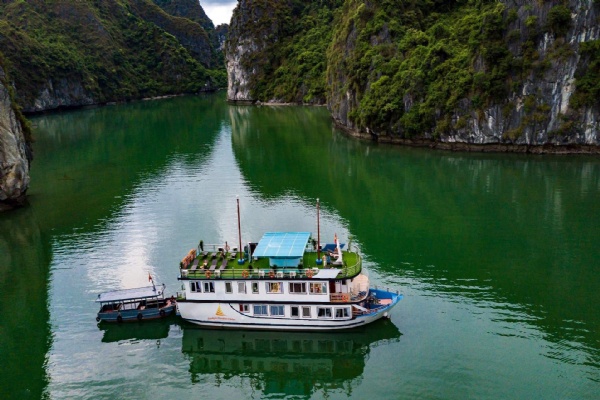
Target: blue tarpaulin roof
{"x": 282, "y": 244}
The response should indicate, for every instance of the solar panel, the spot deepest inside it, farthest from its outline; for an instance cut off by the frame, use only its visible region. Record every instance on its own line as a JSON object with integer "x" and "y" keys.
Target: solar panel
{"x": 282, "y": 244}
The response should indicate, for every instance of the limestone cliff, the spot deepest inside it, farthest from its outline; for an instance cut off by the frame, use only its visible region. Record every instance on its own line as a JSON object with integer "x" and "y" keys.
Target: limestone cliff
{"x": 249, "y": 17}
{"x": 15, "y": 151}
{"x": 67, "y": 54}
{"x": 505, "y": 73}
{"x": 515, "y": 86}
{"x": 190, "y": 9}
{"x": 275, "y": 50}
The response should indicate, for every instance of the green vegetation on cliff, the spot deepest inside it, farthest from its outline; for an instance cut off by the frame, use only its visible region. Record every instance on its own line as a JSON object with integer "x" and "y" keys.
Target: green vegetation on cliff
{"x": 425, "y": 66}
{"x": 25, "y": 124}
{"x": 103, "y": 51}
{"x": 292, "y": 38}
{"x": 499, "y": 70}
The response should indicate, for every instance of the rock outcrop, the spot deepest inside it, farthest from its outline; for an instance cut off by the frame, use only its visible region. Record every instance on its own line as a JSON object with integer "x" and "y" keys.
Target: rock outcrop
{"x": 15, "y": 151}
{"x": 253, "y": 31}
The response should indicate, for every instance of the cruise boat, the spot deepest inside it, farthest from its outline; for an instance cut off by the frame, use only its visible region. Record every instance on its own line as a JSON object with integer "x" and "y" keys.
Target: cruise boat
{"x": 286, "y": 281}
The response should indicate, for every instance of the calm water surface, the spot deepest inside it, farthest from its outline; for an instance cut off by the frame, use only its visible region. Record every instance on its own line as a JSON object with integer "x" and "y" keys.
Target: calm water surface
{"x": 497, "y": 256}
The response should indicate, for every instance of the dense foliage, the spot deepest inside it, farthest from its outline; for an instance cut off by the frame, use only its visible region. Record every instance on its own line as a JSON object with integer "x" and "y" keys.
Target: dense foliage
{"x": 290, "y": 65}
{"x": 419, "y": 66}
{"x": 111, "y": 49}
{"x": 423, "y": 66}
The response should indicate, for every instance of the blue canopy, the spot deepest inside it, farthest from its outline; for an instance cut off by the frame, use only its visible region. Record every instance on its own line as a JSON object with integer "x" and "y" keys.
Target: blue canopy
{"x": 282, "y": 245}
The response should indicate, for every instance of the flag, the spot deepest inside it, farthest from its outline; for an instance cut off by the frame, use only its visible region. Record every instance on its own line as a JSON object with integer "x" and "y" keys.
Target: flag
{"x": 149, "y": 277}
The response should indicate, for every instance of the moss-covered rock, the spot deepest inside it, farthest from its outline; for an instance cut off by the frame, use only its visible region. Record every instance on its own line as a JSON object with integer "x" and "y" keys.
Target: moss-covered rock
{"x": 65, "y": 53}
{"x": 477, "y": 72}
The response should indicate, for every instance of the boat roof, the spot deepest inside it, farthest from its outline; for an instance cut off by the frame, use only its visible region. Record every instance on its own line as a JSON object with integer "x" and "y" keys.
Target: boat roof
{"x": 129, "y": 294}
{"x": 328, "y": 273}
{"x": 282, "y": 244}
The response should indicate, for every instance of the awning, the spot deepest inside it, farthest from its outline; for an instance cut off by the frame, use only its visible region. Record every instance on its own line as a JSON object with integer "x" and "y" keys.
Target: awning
{"x": 282, "y": 245}
{"x": 129, "y": 294}
{"x": 327, "y": 273}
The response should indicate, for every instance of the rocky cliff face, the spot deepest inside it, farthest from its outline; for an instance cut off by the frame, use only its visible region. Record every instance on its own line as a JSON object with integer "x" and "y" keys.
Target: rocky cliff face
{"x": 528, "y": 102}
{"x": 15, "y": 153}
{"x": 476, "y": 73}
{"x": 275, "y": 50}
{"x": 190, "y": 9}
{"x": 67, "y": 54}
{"x": 246, "y": 41}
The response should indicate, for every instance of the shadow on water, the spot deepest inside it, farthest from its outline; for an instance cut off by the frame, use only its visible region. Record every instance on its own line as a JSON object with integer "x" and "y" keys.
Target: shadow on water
{"x": 134, "y": 331}
{"x": 284, "y": 363}
{"x": 24, "y": 318}
{"x": 489, "y": 228}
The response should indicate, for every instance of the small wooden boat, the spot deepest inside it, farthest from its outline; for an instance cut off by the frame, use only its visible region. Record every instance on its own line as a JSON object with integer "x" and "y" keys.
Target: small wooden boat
{"x": 137, "y": 304}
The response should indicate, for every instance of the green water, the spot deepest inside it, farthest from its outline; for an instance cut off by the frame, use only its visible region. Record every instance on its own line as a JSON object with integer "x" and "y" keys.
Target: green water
{"x": 497, "y": 256}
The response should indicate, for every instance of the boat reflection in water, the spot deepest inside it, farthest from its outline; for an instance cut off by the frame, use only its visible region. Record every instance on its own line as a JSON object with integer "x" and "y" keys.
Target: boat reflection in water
{"x": 148, "y": 330}
{"x": 291, "y": 363}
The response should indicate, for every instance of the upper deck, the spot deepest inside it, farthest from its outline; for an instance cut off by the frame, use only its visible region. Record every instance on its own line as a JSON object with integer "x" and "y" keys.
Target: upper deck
{"x": 225, "y": 265}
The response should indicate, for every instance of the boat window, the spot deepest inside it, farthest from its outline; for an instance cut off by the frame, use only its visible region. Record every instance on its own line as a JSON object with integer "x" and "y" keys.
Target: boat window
{"x": 228, "y": 287}
{"x": 323, "y": 312}
{"x": 318, "y": 288}
{"x": 244, "y": 308}
{"x": 277, "y": 311}
{"x": 195, "y": 287}
{"x": 241, "y": 287}
{"x": 295, "y": 312}
{"x": 260, "y": 309}
{"x": 305, "y": 312}
{"x": 209, "y": 287}
{"x": 342, "y": 312}
{"x": 274, "y": 287}
{"x": 255, "y": 287}
{"x": 298, "y": 287}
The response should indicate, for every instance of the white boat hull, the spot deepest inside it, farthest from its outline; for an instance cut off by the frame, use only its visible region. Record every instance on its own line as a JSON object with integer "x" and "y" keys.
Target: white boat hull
{"x": 223, "y": 315}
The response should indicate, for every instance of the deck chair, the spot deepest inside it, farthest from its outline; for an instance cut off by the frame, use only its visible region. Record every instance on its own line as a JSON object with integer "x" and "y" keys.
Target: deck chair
{"x": 223, "y": 264}
{"x": 213, "y": 265}
{"x": 195, "y": 264}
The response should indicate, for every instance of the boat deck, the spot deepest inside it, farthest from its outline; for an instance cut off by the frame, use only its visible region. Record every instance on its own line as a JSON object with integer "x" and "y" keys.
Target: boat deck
{"x": 225, "y": 266}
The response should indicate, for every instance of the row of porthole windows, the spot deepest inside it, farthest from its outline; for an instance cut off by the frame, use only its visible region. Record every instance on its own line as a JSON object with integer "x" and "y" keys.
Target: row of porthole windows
{"x": 297, "y": 311}
{"x": 270, "y": 287}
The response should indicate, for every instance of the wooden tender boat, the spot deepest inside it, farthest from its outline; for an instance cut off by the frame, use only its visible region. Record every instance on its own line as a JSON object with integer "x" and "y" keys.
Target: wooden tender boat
{"x": 137, "y": 304}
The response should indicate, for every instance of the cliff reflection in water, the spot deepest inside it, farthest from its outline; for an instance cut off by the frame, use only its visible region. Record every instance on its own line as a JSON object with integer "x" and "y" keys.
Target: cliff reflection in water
{"x": 291, "y": 363}
{"x": 505, "y": 231}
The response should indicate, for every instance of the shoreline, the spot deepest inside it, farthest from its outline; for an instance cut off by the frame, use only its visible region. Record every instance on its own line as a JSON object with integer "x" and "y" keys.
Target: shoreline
{"x": 112, "y": 103}
{"x": 566, "y": 149}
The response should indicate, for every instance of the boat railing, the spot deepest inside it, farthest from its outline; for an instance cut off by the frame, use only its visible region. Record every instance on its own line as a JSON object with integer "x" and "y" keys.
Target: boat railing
{"x": 200, "y": 270}
{"x": 352, "y": 270}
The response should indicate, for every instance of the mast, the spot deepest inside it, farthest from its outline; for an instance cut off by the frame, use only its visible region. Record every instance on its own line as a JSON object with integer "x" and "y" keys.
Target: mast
{"x": 239, "y": 228}
{"x": 318, "y": 233}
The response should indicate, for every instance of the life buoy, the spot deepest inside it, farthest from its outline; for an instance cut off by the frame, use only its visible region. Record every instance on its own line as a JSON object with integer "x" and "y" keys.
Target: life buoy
{"x": 271, "y": 274}
{"x": 245, "y": 274}
{"x": 207, "y": 274}
{"x": 140, "y": 316}
{"x": 309, "y": 273}
{"x": 119, "y": 318}
{"x": 162, "y": 313}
